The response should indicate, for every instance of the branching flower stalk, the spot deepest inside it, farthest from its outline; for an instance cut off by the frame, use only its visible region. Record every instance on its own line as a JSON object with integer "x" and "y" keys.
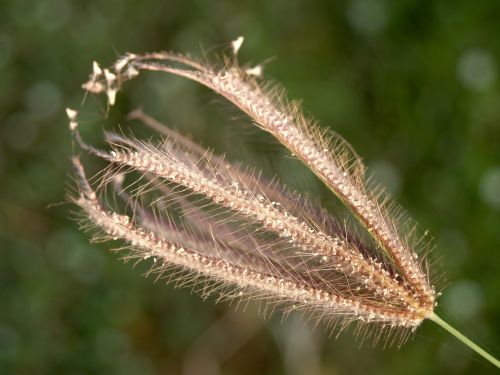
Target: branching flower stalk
{"x": 228, "y": 231}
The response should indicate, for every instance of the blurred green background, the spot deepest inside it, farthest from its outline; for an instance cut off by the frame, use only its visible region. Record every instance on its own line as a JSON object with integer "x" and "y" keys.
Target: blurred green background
{"x": 413, "y": 85}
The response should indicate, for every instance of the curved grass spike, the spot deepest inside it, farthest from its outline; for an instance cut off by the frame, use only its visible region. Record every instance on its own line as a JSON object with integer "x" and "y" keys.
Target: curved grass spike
{"x": 225, "y": 230}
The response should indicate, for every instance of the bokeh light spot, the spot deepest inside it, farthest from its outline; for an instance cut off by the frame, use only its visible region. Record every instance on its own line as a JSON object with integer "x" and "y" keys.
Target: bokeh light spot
{"x": 489, "y": 187}
{"x": 366, "y": 16}
{"x": 464, "y": 299}
{"x": 43, "y": 99}
{"x": 476, "y": 69}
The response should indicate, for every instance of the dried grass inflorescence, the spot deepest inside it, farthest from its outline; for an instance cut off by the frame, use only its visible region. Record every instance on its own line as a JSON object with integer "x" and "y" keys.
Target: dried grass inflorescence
{"x": 227, "y": 230}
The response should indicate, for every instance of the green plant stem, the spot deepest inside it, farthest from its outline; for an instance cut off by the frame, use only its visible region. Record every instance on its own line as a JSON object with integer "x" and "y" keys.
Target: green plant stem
{"x": 436, "y": 319}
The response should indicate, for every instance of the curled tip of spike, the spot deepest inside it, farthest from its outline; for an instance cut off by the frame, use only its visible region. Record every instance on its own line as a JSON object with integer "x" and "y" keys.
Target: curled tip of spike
{"x": 236, "y": 44}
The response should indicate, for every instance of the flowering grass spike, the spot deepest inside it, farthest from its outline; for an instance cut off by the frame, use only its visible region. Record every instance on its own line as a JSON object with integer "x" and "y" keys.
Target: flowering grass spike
{"x": 226, "y": 230}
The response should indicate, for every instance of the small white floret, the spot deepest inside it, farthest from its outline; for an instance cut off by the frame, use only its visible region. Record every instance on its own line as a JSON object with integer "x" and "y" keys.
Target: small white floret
{"x": 110, "y": 77}
{"x": 111, "y": 94}
{"x": 131, "y": 72}
{"x": 96, "y": 69}
{"x": 71, "y": 113}
{"x": 120, "y": 64}
{"x": 255, "y": 71}
{"x": 236, "y": 44}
